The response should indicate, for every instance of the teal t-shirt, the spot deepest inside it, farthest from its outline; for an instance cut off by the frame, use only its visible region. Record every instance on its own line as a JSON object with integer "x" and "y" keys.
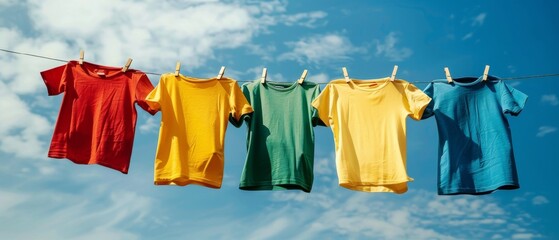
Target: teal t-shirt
{"x": 280, "y": 140}
{"x": 475, "y": 143}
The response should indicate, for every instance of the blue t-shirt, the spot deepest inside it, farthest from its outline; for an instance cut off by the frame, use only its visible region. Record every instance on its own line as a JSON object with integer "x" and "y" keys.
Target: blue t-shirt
{"x": 475, "y": 145}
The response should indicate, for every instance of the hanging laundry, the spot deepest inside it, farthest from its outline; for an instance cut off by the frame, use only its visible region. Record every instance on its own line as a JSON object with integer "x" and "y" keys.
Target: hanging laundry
{"x": 475, "y": 143}
{"x": 280, "y": 141}
{"x": 97, "y": 118}
{"x": 194, "y": 115}
{"x": 367, "y": 118}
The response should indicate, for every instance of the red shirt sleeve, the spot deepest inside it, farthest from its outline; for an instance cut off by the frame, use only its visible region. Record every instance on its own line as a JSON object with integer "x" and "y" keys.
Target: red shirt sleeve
{"x": 56, "y": 79}
{"x": 143, "y": 88}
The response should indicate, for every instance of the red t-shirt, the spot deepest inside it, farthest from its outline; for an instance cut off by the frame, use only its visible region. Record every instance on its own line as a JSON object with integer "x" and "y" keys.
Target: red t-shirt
{"x": 97, "y": 118}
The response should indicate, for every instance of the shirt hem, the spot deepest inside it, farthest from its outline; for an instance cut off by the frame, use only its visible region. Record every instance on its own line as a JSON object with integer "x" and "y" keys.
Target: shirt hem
{"x": 480, "y": 191}
{"x": 268, "y": 185}
{"x": 80, "y": 162}
{"x": 183, "y": 181}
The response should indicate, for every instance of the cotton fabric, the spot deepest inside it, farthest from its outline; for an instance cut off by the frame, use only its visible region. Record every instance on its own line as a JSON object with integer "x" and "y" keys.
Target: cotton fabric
{"x": 194, "y": 116}
{"x": 97, "y": 119}
{"x": 368, "y": 121}
{"x": 280, "y": 140}
{"x": 475, "y": 142}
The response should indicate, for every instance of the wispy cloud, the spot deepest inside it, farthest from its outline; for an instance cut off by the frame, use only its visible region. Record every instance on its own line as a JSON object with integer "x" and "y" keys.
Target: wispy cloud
{"x": 539, "y": 200}
{"x": 511, "y": 68}
{"x": 319, "y": 78}
{"x": 544, "y": 130}
{"x": 81, "y": 217}
{"x": 323, "y": 166}
{"x": 468, "y": 36}
{"x": 308, "y": 19}
{"x": 479, "y": 19}
{"x": 10, "y": 199}
{"x": 550, "y": 99}
{"x": 389, "y": 50}
{"x": 525, "y": 236}
{"x": 149, "y": 125}
{"x": 320, "y": 49}
{"x": 271, "y": 229}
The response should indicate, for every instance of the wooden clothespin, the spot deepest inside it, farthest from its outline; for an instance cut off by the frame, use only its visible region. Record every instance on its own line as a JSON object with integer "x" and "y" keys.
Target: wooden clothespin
{"x": 303, "y": 76}
{"x": 264, "y": 74}
{"x": 81, "y": 57}
{"x": 177, "y": 69}
{"x": 393, "y": 76}
{"x": 485, "y": 72}
{"x": 346, "y": 76}
{"x": 447, "y": 73}
{"x": 127, "y": 65}
{"x": 221, "y": 72}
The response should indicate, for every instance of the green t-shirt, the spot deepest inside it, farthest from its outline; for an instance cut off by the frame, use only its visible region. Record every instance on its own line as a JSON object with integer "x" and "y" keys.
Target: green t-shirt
{"x": 280, "y": 140}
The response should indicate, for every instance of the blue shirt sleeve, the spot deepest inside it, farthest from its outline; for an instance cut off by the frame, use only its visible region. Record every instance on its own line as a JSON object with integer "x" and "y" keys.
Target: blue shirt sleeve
{"x": 512, "y": 100}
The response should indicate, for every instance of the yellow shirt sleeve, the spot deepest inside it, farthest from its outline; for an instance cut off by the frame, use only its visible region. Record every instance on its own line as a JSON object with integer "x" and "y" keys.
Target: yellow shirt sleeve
{"x": 153, "y": 99}
{"x": 417, "y": 101}
{"x": 239, "y": 106}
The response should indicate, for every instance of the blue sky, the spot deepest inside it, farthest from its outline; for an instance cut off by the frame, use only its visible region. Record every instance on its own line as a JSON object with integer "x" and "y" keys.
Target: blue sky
{"x": 43, "y": 198}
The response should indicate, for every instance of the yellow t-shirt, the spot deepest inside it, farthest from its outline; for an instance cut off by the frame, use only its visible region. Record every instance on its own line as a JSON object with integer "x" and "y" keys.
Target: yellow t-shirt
{"x": 193, "y": 124}
{"x": 367, "y": 118}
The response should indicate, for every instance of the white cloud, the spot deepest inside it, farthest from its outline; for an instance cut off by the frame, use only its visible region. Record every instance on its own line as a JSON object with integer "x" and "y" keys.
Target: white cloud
{"x": 309, "y": 19}
{"x": 539, "y": 200}
{"x": 150, "y": 125}
{"x": 319, "y": 78}
{"x": 550, "y": 99}
{"x": 479, "y": 19}
{"x": 320, "y": 49}
{"x": 190, "y": 32}
{"x": 271, "y": 229}
{"x": 468, "y": 36}
{"x": 21, "y": 131}
{"x": 544, "y": 130}
{"x": 525, "y": 236}
{"x": 389, "y": 50}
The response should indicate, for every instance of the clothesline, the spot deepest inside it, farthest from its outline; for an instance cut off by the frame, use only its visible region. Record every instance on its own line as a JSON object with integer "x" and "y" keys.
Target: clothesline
{"x": 159, "y": 74}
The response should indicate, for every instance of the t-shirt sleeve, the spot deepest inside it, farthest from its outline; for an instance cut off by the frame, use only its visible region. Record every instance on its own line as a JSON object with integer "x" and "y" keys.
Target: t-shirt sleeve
{"x": 239, "y": 106}
{"x": 315, "y": 119}
{"x": 429, "y": 110}
{"x": 417, "y": 101}
{"x": 143, "y": 88}
{"x": 56, "y": 79}
{"x": 512, "y": 100}
{"x": 153, "y": 99}
{"x": 322, "y": 104}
